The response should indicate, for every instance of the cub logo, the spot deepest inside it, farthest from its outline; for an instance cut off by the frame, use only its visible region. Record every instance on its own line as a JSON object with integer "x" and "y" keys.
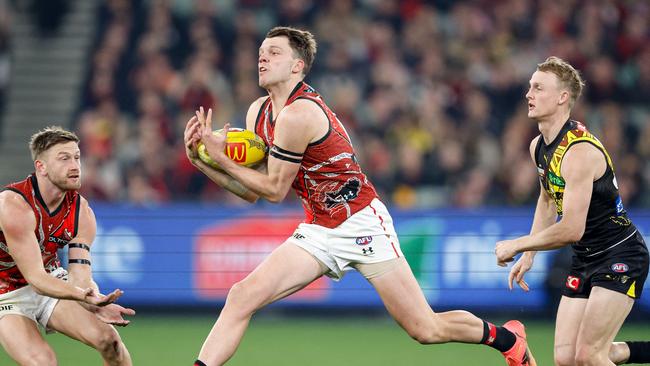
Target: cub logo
{"x": 619, "y": 267}
{"x": 573, "y": 283}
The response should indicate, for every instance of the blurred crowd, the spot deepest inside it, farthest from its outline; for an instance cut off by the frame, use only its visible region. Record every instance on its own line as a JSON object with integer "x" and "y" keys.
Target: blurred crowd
{"x": 431, "y": 92}
{"x": 5, "y": 65}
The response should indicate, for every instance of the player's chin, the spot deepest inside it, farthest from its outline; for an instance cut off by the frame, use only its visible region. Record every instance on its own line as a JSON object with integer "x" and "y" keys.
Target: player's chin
{"x": 72, "y": 184}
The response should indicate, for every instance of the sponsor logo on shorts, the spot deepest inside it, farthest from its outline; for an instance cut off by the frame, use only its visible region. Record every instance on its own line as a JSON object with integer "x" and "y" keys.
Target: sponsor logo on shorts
{"x": 6, "y": 307}
{"x": 573, "y": 283}
{"x": 364, "y": 240}
{"x": 620, "y": 267}
{"x": 298, "y": 236}
{"x": 368, "y": 251}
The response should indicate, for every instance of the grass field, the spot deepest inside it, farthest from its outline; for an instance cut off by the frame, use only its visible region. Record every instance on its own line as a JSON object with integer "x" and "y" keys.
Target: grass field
{"x": 286, "y": 341}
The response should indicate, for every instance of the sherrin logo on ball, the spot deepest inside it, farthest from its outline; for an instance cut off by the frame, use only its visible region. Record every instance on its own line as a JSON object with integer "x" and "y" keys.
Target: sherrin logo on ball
{"x": 243, "y": 147}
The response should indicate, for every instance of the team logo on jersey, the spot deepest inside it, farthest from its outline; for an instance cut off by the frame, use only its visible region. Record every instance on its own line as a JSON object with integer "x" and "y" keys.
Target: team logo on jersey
{"x": 347, "y": 192}
{"x": 364, "y": 240}
{"x": 573, "y": 283}
{"x": 619, "y": 267}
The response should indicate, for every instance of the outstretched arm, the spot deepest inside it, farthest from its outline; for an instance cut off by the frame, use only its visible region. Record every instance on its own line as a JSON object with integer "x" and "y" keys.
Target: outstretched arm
{"x": 17, "y": 221}
{"x": 80, "y": 269}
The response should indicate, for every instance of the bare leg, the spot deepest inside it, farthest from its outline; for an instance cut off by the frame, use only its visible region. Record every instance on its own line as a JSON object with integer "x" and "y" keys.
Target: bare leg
{"x": 406, "y": 303}
{"x": 567, "y": 324}
{"x": 619, "y": 352}
{"x": 73, "y": 320}
{"x": 603, "y": 317}
{"x": 286, "y": 270}
{"x": 24, "y": 343}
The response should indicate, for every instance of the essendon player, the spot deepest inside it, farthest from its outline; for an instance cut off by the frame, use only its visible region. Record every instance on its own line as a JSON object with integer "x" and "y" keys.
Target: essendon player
{"x": 346, "y": 226}
{"x": 610, "y": 260}
{"x": 39, "y": 215}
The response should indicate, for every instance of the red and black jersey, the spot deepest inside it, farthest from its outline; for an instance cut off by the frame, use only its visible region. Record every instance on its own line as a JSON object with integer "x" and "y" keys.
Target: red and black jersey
{"x": 330, "y": 182}
{"x": 53, "y": 231}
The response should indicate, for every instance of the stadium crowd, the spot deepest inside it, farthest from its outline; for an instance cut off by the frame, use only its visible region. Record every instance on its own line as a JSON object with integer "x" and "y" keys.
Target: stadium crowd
{"x": 432, "y": 92}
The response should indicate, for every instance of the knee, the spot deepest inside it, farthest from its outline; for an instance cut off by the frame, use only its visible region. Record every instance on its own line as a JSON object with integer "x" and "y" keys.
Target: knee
{"x": 586, "y": 356}
{"x": 40, "y": 357}
{"x": 108, "y": 342}
{"x": 564, "y": 358}
{"x": 242, "y": 297}
{"x": 427, "y": 332}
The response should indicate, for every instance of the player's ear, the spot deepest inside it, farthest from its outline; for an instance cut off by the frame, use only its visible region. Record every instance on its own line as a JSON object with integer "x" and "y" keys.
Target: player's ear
{"x": 298, "y": 66}
{"x": 39, "y": 167}
{"x": 564, "y": 97}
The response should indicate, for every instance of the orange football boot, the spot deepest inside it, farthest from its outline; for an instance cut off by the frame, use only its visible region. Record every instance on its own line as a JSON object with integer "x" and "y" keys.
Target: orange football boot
{"x": 519, "y": 354}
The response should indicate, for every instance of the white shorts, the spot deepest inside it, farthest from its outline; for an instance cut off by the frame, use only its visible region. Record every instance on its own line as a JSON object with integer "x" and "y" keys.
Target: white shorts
{"x": 366, "y": 237}
{"x": 26, "y": 302}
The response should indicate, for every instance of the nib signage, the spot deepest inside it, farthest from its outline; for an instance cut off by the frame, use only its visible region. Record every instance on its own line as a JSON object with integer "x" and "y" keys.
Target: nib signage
{"x": 227, "y": 252}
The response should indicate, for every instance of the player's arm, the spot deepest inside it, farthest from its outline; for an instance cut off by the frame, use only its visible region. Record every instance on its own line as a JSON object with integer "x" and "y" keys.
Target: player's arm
{"x": 220, "y": 178}
{"x": 79, "y": 261}
{"x": 545, "y": 210}
{"x": 582, "y": 164}
{"x": 80, "y": 269}
{"x": 18, "y": 223}
{"x": 299, "y": 124}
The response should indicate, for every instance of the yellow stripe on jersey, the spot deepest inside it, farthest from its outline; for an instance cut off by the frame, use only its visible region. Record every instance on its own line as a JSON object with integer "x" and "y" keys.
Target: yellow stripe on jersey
{"x": 632, "y": 291}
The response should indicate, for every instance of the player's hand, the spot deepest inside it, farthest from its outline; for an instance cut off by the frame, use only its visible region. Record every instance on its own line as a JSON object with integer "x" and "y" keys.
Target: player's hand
{"x": 505, "y": 251}
{"x": 520, "y": 268}
{"x": 191, "y": 138}
{"x": 93, "y": 298}
{"x": 114, "y": 314}
{"x": 215, "y": 145}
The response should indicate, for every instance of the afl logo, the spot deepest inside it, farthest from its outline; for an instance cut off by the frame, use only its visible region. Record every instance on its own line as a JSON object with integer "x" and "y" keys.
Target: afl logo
{"x": 364, "y": 240}
{"x": 620, "y": 267}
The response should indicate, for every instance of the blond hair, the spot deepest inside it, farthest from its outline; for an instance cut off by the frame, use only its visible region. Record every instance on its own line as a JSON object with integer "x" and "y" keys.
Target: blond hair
{"x": 49, "y": 136}
{"x": 568, "y": 76}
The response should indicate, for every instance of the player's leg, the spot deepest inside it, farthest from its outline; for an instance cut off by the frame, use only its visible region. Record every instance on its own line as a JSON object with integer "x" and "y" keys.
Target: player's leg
{"x": 286, "y": 270}
{"x": 567, "y": 324}
{"x": 74, "y": 321}
{"x": 406, "y": 303}
{"x": 604, "y": 315}
{"x": 24, "y": 343}
{"x": 630, "y": 352}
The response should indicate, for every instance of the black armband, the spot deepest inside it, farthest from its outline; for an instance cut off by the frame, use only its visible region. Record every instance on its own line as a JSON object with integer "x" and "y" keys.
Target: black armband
{"x": 79, "y": 245}
{"x": 286, "y": 155}
{"x": 78, "y": 261}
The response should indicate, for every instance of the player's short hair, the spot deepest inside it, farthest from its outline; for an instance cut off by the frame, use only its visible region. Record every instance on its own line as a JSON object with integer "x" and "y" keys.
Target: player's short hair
{"x": 302, "y": 43}
{"x": 49, "y": 136}
{"x": 569, "y": 77}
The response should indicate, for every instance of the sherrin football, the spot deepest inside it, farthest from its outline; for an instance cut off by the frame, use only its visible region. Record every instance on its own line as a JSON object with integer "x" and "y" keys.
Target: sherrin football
{"x": 243, "y": 147}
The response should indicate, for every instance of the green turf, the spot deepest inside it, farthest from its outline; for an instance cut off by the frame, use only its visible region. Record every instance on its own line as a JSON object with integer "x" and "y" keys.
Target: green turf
{"x": 314, "y": 342}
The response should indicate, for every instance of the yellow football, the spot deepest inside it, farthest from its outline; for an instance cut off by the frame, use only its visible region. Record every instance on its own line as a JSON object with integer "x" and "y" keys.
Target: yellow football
{"x": 243, "y": 147}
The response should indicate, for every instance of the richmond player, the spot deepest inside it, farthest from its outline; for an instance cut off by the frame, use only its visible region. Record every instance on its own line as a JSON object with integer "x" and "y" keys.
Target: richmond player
{"x": 610, "y": 258}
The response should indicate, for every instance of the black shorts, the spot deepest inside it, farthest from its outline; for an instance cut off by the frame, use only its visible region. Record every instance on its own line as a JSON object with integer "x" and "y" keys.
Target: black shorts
{"x": 622, "y": 269}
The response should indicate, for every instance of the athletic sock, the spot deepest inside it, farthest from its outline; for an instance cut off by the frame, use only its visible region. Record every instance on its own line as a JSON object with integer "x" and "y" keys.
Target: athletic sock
{"x": 497, "y": 337}
{"x": 199, "y": 363}
{"x": 639, "y": 352}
